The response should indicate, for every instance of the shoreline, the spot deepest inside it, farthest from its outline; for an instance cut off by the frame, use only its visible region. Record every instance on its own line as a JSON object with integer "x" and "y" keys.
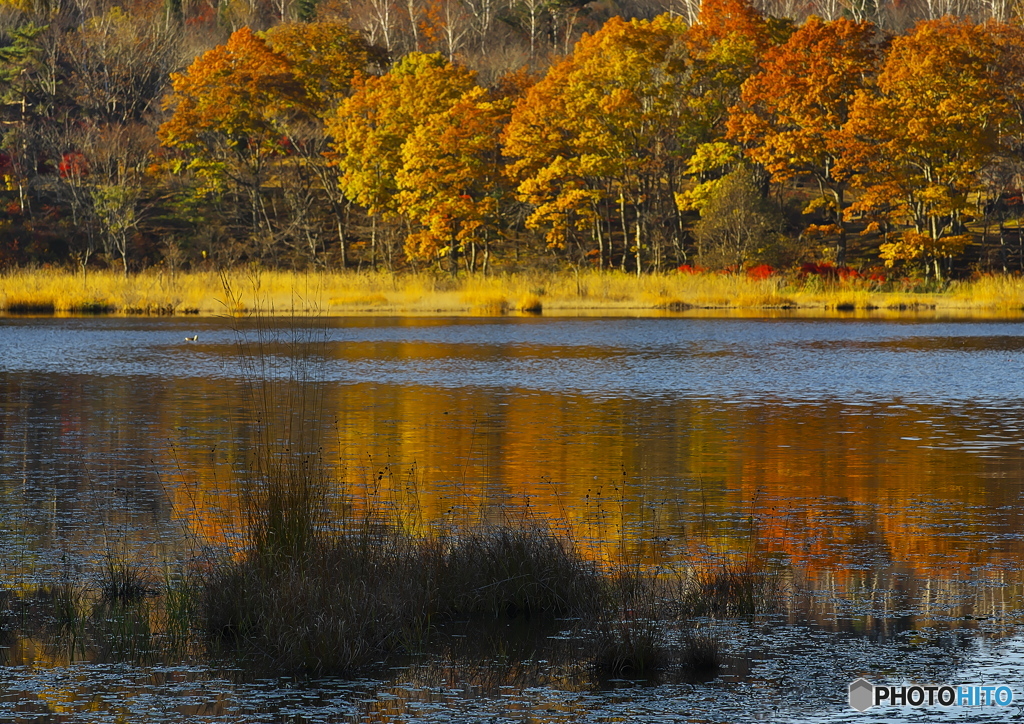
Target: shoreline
{"x": 549, "y": 294}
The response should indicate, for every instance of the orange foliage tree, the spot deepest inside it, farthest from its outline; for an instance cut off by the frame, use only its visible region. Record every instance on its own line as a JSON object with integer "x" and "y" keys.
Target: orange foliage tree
{"x": 726, "y": 45}
{"x": 934, "y": 122}
{"x": 228, "y": 115}
{"x": 249, "y": 115}
{"x": 794, "y": 112}
{"x": 324, "y": 57}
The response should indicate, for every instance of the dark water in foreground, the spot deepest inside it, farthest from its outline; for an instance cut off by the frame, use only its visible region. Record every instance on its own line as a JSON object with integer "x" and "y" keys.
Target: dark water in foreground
{"x": 881, "y": 463}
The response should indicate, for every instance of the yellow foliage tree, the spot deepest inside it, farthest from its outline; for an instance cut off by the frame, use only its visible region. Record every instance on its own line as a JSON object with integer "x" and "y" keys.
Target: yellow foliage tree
{"x": 606, "y": 131}
{"x": 450, "y": 180}
{"x": 371, "y": 126}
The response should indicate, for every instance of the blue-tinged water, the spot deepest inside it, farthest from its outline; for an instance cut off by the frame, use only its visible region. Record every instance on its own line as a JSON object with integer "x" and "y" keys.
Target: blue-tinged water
{"x": 881, "y": 462}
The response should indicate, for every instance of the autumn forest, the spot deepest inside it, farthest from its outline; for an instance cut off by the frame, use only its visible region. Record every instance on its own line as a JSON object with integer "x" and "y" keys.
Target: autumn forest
{"x": 478, "y": 135}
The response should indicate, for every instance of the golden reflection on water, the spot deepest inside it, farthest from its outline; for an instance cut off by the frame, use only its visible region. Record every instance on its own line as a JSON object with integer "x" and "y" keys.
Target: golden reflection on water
{"x": 851, "y": 496}
{"x": 827, "y": 488}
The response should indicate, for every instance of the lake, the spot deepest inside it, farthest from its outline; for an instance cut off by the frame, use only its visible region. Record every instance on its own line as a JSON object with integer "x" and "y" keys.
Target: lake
{"x": 879, "y": 462}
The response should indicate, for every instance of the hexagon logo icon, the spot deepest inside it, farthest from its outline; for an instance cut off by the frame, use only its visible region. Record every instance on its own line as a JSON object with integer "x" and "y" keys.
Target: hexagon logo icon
{"x": 862, "y": 694}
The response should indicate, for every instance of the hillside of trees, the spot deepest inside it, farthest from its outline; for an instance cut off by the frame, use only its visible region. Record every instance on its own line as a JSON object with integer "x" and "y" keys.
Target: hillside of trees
{"x": 477, "y": 135}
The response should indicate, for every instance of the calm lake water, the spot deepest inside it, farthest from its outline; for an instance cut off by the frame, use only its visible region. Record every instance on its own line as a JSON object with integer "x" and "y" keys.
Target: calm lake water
{"x": 880, "y": 463}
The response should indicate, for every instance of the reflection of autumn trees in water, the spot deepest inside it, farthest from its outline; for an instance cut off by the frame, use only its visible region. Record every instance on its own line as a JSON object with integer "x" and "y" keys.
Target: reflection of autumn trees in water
{"x": 895, "y": 488}
{"x": 828, "y": 485}
{"x": 855, "y": 497}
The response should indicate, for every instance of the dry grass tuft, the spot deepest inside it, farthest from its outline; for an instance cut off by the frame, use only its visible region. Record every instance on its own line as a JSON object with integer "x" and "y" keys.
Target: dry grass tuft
{"x": 125, "y": 582}
{"x": 631, "y": 634}
{"x": 515, "y": 570}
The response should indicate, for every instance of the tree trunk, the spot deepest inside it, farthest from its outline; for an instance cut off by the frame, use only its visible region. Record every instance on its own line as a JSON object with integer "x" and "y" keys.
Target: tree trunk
{"x": 639, "y": 265}
{"x": 373, "y": 242}
{"x": 1003, "y": 252}
{"x": 341, "y": 245}
{"x": 625, "y": 230}
{"x": 841, "y": 223}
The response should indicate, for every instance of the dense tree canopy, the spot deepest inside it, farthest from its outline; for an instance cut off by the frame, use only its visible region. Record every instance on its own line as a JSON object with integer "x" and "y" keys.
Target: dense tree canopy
{"x": 423, "y": 133}
{"x": 929, "y": 127}
{"x": 795, "y": 111}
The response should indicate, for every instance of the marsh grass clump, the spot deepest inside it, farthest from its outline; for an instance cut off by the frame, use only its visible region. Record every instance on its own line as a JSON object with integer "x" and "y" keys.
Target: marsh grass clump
{"x": 338, "y": 606}
{"x": 71, "y": 611}
{"x": 375, "y": 590}
{"x": 530, "y": 304}
{"x": 700, "y": 653}
{"x": 631, "y": 645}
{"x": 178, "y": 608}
{"x": 517, "y": 569}
{"x": 285, "y": 506}
{"x": 75, "y": 620}
{"x": 126, "y": 582}
{"x": 743, "y": 589}
{"x": 117, "y": 616}
{"x": 631, "y": 635}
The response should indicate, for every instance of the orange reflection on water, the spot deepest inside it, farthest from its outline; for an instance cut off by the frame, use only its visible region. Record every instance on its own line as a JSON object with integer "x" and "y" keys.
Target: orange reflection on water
{"x": 827, "y": 486}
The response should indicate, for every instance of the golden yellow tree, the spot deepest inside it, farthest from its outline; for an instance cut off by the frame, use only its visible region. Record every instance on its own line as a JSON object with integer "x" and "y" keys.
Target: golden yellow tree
{"x": 604, "y": 134}
{"x": 371, "y": 127}
{"x": 450, "y": 180}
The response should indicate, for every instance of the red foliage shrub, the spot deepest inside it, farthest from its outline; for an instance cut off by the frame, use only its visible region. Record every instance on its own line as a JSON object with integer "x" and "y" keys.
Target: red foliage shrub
{"x": 761, "y": 271}
{"x": 73, "y": 165}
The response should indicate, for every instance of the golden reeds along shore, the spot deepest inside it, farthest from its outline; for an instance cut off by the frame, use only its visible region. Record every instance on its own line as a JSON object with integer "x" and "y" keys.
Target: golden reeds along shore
{"x": 553, "y": 294}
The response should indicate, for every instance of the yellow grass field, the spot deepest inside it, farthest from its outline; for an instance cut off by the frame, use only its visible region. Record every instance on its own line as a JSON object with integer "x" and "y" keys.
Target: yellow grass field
{"x": 554, "y": 294}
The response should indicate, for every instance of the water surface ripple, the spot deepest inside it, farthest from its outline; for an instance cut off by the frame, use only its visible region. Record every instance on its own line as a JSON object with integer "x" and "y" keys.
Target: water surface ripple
{"x": 880, "y": 462}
